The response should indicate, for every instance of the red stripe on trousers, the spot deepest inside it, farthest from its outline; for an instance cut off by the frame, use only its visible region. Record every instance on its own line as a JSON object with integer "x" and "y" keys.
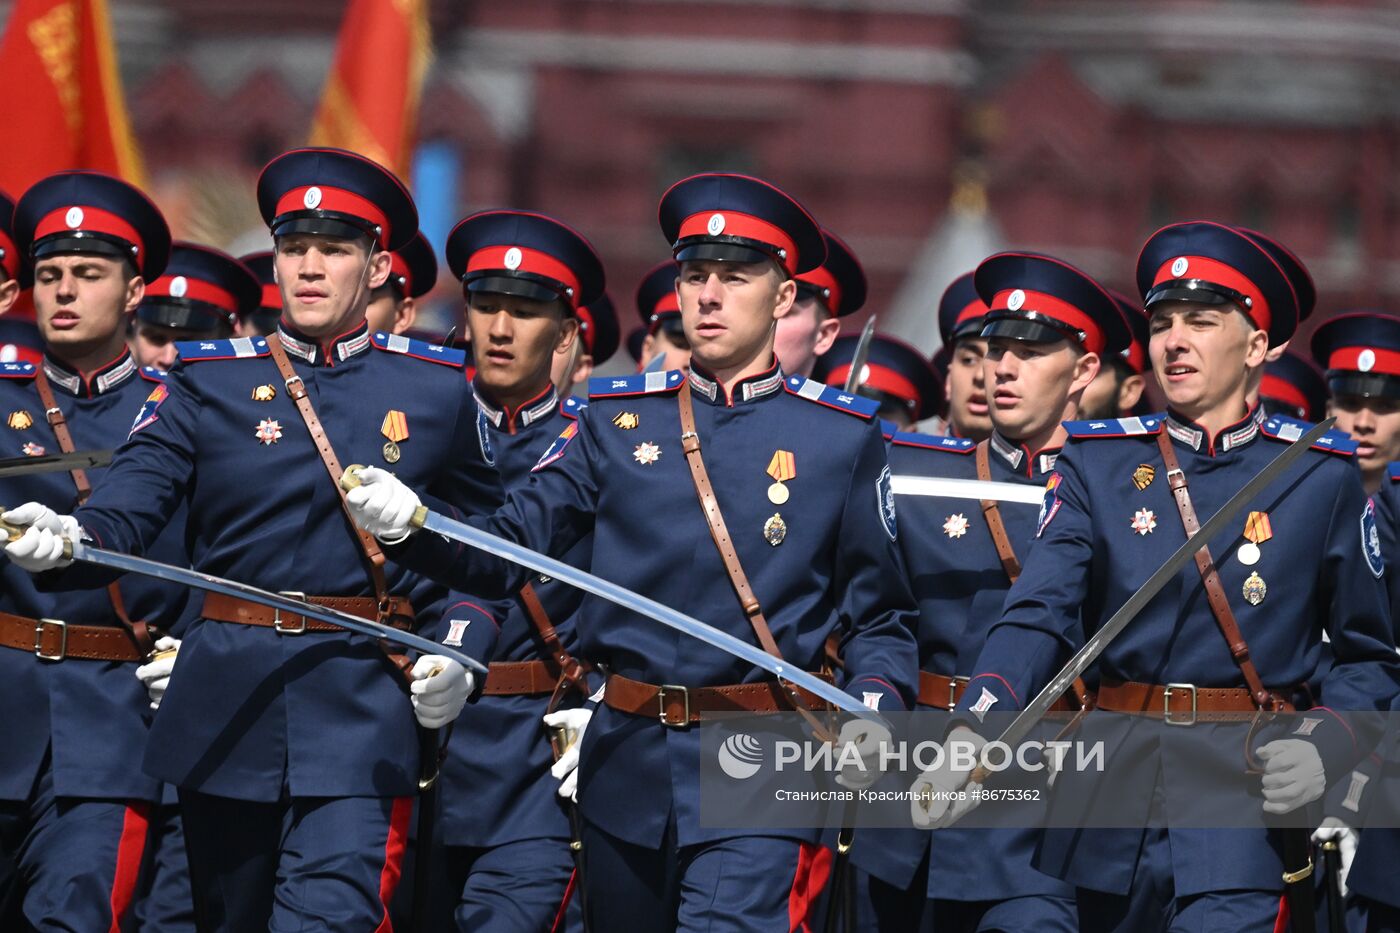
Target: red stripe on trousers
{"x": 813, "y": 870}
{"x": 1281, "y": 922}
{"x": 136, "y": 827}
{"x": 393, "y": 858}
{"x": 558, "y": 925}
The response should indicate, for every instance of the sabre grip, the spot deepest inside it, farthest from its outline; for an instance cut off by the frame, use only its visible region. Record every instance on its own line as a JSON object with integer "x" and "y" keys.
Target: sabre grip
{"x": 15, "y": 532}
{"x": 350, "y": 479}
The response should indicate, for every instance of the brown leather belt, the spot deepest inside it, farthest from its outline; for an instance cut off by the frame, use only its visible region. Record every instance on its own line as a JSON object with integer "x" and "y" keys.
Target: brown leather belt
{"x": 55, "y": 640}
{"x": 678, "y": 706}
{"x": 520, "y": 678}
{"x": 220, "y": 608}
{"x": 1182, "y": 704}
{"x": 943, "y": 692}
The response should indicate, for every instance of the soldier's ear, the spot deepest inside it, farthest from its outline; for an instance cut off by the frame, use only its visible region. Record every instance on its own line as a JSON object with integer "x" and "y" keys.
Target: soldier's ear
{"x": 787, "y": 296}
{"x": 1086, "y": 367}
{"x": 9, "y": 292}
{"x": 380, "y": 265}
{"x": 135, "y": 291}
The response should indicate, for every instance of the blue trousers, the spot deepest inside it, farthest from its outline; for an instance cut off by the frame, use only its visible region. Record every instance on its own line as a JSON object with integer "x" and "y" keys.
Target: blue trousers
{"x": 1152, "y": 904}
{"x": 166, "y": 902}
{"x": 746, "y": 884}
{"x": 76, "y": 863}
{"x": 518, "y": 887}
{"x": 304, "y": 864}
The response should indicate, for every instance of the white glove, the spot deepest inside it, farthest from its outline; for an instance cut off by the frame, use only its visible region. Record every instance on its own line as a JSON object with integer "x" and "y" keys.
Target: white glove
{"x": 565, "y": 770}
{"x": 868, "y": 739}
{"x": 40, "y": 548}
{"x": 932, "y": 805}
{"x": 1293, "y": 774}
{"x": 439, "y": 690}
{"x": 383, "y": 505}
{"x": 155, "y": 674}
{"x": 1336, "y": 830}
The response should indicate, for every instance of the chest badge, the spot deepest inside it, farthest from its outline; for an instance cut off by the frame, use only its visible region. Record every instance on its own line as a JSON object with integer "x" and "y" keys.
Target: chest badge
{"x": 1257, "y": 530}
{"x": 1255, "y": 589}
{"x": 395, "y": 428}
{"x": 783, "y": 467}
{"x": 33, "y": 450}
{"x": 775, "y": 530}
{"x": 264, "y": 393}
{"x": 1144, "y": 475}
{"x": 269, "y": 432}
{"x": 955, "y": 526}
{"x": 626, "y": 420}
{"x": 1144, "y": 521}
{"x": 20, "y": 420}
{"x": 646, "y": 453}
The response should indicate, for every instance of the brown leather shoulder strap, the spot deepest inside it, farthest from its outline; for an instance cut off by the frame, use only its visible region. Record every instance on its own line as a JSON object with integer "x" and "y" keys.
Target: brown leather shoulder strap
{"x": 297, "y": 391}
{"x": 991, "y": 512}
{"x": 571, "y": 670}
{"x": 690, "y": 441}
{"x": 1215, "y": 591}
{"x": 138, "y": 631}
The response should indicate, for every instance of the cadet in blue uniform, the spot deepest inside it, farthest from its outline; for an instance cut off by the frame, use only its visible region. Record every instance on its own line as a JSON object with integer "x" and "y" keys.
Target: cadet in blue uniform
{"x": 800, "y": 473}
{"x": 896, "y": 377}
{"x": 1303, "y": 562}
{"x": 660, "y": 311}
{"x": 1117, "y": 390}
{"x": 506, "y": 832}
{"x": 293, "y": 744}
{"x": 202, "y": 295}
{"x": 598, "y": 337}
{"x": 1049, "y": 330}
{"x": 262, "y": 320}
{"x": 19, "y": 337}
{"x": 1361, "y": 355}
{"x": 831, "y": 291}
{"x": 75, "y": 808}
{"x": 393, "y": 306}
{"x": 960, "y": 312}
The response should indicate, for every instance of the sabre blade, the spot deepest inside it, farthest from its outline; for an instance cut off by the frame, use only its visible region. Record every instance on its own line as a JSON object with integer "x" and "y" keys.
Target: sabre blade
{"x": 1094, "y": 646}
{"x": 642, "y": 605}
{"x": 855, "y": 377}
{"x": 950, "y": 488}
{"x": 53, "y": 463}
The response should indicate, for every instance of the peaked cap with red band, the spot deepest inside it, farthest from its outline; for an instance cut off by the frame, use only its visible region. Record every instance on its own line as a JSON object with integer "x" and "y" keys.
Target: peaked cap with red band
{"x": 1298, "y": 275}
{"x": 1295, "y": 387}
{"x": 9, "y": 251}
{"x": 201, "y": 288}
{"x": 839, "y": 282}
{"x": 599, "y": 328}
{"x": 960, "y": 310}
{"x": 737, "y": 218}
{"x": 1361, "y": 353}
{"x": 525, "y": 254}
{"x": 1031, "y": 296}
{"x": 1212, "y": 264}
{"x": 94, "y": 214}
{"x": 414, "y": 268}
{"x": 263, "y": 319}
{"x": 332, "y": 192}
{"x": 656, "y": 295}
{"x": 893, "y": 368}
{"x": 1134, "y": 356}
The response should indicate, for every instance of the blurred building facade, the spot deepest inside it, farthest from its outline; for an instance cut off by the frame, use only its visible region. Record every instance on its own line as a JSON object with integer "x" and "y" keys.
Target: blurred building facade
{"x": 910, "y": 127}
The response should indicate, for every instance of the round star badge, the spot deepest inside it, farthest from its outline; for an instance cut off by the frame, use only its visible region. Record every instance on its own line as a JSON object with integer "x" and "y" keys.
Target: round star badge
{"x": 646, "y": 453}
{"x": 1144, "y": 521}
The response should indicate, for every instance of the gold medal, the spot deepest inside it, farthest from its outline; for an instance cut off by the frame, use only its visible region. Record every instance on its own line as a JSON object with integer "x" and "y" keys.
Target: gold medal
{"x": 264, "y": 393}
{"x": 395, "y": 428}
{"x": 626, "y": 420}
{"x": 1144, "y": 475}
{"x": 775, "y": 530}
{"x": 782, "y": 467}
{"x": 777, "y": 494}
{"x": 1255, "y": 589}
{"x": 20, "y": 420}
{"x": 1248, "y": 553}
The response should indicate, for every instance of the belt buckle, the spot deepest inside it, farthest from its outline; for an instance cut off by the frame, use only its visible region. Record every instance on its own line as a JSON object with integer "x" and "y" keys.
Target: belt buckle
{"x": 277, "y": 615}
{"x": 39, "y": 640}
{"x": 661, "y": 693}
{"x": 1167, "y": 703}
{"x": 953, "y": 684}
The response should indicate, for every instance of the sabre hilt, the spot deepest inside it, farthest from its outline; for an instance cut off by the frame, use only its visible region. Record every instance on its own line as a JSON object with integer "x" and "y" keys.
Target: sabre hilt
{"x": 15, "y": 532}
{"x": 561, "y": 739}
{"x": 351, "y": 479}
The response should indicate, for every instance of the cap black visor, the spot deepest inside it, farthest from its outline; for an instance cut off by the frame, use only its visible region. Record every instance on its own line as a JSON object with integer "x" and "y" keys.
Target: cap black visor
{"x": 1366, "y": 385}
{"x": 518, "y": 284}
{"x": 1036, "y": 328}
{"x": 181, "y": 313}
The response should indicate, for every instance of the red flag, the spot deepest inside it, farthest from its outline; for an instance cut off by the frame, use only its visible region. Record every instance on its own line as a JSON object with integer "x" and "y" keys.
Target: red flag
{"x": 370, "y": 103}
{"x": 63, "y": 105}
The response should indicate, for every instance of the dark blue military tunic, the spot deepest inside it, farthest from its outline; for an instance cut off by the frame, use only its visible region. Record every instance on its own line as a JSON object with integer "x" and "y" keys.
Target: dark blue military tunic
{"x": 1100, "y": 537}
{"x": 496, "y": 783}
{"x": 250, "y": 713}
{"x": 835, "y": 566}
{"x": 959, "y": 582}
{"x": 94, "y": 713}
